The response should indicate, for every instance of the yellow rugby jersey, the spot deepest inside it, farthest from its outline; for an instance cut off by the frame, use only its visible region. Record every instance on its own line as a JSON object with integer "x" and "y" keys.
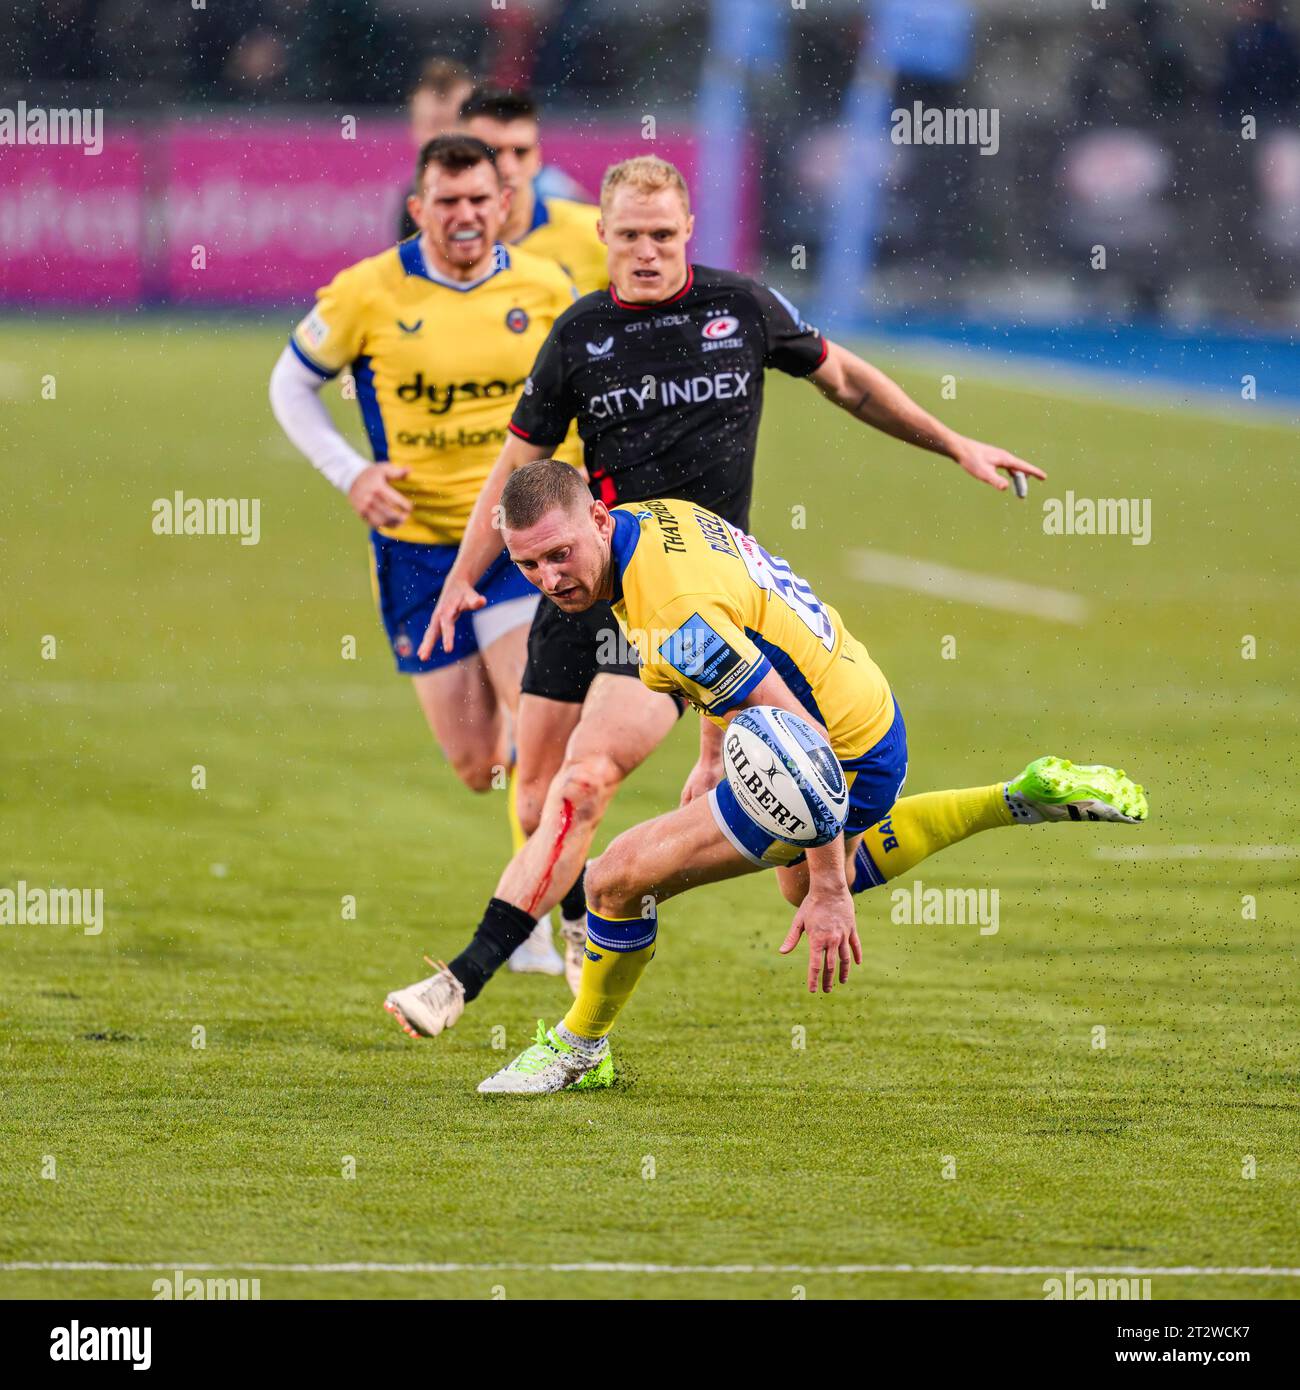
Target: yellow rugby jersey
{"x": 565, "y": 231}
{"x": 438, "y": 367}
{"x": 711, "y": 612}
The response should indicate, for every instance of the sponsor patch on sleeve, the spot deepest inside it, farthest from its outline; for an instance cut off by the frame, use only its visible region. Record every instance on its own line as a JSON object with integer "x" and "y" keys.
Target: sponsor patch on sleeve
{"x": 313, "y": 330}
{"x": 697, "y": 652}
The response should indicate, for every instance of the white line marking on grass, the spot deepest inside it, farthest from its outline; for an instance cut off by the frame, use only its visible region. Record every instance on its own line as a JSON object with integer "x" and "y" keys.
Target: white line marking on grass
{"x": 986, "y": 590}
{"x": 1199, "y": 852}
{"x": 628, "y": 1267}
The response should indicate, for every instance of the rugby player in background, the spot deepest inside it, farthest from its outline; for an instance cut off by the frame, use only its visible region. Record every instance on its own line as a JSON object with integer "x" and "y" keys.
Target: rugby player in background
{"x": 433, "y": 109}
{"x": 539, "y": 221}
{"x": 664, "y": 375}
{"x": 439, "y": 333}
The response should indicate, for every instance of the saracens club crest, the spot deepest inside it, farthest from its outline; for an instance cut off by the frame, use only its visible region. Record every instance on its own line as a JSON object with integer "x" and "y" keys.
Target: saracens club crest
{"x": 721, "y": 327}
{"x": 517, "y": 320}
{"x": 403, "y": 645}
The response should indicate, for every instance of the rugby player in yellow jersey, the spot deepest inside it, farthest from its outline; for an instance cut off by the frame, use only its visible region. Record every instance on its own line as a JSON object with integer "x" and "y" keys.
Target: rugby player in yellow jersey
{"x": 560, "y": 228}
{"x": 714, "y": 617}
{"x": 439, "y": 334}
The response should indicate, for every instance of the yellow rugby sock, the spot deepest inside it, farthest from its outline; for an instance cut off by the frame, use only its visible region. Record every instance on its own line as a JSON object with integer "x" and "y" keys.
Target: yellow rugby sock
{"x": 919, "y": 826}
{"x": 517, "y": 837}
{"x": 618, "y": 951}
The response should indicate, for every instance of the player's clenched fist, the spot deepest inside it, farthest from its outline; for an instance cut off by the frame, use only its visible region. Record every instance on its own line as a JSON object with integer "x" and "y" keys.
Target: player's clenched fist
{"x": 457, "y": 597}
{"x": 827, "y": 917}
{"x": 374, "y": 501}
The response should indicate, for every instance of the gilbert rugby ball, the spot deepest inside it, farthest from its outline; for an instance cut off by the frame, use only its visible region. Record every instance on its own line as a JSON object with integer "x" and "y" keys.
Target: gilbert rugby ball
{"x": 784, "y": 776}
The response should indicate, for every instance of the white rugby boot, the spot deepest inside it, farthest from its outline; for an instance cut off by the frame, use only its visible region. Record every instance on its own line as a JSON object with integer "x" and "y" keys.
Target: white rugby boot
{"x": 536, "y": 953}
{"x": 426, "y": 1008}
{"x": 573, "y": 932}
{"x": 550, "y": 1064}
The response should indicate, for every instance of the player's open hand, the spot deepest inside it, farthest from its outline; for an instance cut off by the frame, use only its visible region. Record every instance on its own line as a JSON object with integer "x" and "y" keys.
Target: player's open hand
{"x": 374, "y": 501}
{"x": 827, "y": 917}
{"x": 983, "y": 461}
{"x": 457, "y": 597}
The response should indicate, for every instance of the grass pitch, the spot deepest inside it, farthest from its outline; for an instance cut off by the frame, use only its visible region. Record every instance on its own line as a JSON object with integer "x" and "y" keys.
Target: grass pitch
{"x": 725, "y": 1144}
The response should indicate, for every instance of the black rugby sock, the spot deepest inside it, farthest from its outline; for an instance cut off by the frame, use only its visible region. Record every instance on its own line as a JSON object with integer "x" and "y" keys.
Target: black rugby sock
{"x": 504, "y": 926}
{"x": 574, "y": 902}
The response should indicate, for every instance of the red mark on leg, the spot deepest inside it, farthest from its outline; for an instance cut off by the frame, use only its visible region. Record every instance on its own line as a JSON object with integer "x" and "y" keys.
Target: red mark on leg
{"x": 566, "y": 824}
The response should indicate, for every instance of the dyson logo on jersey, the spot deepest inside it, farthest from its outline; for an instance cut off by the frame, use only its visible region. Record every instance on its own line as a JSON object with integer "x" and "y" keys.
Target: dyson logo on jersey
{"x": 442, "y": 398}
{"x": 691, "y": 390}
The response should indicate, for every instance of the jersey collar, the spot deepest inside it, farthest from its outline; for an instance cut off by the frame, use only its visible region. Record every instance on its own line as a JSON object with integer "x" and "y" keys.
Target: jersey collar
{"x": 413, "y": 263}
{"x": 627, "y": 531}
{"x": 658, "y": 303}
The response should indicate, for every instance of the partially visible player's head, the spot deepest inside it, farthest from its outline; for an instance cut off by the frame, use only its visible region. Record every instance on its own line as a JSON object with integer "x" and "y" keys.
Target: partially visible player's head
{"x": 434, "y": 101}
{"x": 507, "y": 121}
{"x": 557, "y": 534}
{"x": 645, "y": 221}
{"x": 459, "y": 204}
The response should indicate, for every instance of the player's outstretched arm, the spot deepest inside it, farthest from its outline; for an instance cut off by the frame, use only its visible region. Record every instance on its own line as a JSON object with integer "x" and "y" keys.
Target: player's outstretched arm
{"x": 870, "y": 396}
{"x": 826, "y": 914}
{"x": 479, "y": 546}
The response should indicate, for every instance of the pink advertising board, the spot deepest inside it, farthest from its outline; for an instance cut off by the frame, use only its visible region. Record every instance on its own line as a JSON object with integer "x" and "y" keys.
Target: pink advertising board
{"x": 278, "y": 208}
{"x": 72, "y": 225}
{"x": 231, "y": 211}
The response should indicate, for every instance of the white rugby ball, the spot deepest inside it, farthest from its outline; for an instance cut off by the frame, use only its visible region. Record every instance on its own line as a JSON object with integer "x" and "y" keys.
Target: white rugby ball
{"x": 785, "y": 776}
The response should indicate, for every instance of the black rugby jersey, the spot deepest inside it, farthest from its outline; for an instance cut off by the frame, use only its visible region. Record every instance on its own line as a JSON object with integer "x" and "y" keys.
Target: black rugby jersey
{"x": 668, "y": 396}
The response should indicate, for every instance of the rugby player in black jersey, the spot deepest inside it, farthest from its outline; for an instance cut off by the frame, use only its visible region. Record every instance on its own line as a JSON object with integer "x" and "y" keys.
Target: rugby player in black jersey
{"x": 664, "y": 374}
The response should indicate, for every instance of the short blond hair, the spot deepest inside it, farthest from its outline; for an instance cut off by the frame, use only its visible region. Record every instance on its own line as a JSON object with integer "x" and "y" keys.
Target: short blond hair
{"x": 535, "y": 488}
{"x": 647, "y": 173}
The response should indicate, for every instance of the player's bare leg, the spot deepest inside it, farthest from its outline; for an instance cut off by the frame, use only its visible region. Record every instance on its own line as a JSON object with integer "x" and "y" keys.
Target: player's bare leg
{"x": 505, "y": 660}
{"x": 505, "y": 656}
{"x": 622, "y": 723}
{"x": 542, "y": 731}
{"x": 464, "y": 712}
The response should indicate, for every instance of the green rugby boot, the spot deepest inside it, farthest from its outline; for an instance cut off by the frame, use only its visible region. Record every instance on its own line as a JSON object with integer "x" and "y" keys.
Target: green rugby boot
{"x": 551, "y": 1065}
{"x": 1054, "y": 789}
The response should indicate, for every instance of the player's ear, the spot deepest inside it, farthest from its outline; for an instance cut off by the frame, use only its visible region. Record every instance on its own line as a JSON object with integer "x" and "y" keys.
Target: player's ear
{"x": 690, "y": 225}
{"x": 600, "y": 230}
{"x": 415, "y": 206}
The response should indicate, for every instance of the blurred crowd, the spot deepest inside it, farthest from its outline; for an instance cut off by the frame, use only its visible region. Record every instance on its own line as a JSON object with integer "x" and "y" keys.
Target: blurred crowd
{"x": 1124, "y": 125}
{"x": 349, "y": 52}
{"x": 1153, "y": 58}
